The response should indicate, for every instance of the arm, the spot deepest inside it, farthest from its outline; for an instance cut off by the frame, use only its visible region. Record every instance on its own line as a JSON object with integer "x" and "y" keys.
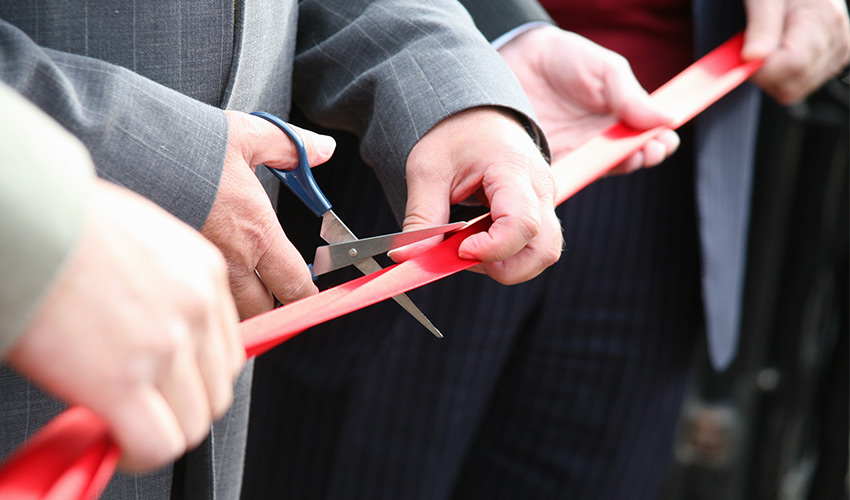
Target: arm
{"x": 173, "y": 149}
{"x": 577, "y": 87}
{"x": 390, "y": 70}
{"x": 395, "y": 73}
{"x": 108, "y": 301}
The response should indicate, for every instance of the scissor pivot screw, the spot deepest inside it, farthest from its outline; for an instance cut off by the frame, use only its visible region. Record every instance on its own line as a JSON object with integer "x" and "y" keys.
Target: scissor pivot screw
{"x": 352, "y": 253}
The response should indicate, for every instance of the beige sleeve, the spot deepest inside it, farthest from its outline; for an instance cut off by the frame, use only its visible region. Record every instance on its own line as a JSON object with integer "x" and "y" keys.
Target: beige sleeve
{"x": 46, "y": 176}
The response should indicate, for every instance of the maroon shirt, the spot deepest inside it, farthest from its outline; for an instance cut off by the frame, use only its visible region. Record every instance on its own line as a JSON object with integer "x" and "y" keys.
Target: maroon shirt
{"x": 654, "y": 35}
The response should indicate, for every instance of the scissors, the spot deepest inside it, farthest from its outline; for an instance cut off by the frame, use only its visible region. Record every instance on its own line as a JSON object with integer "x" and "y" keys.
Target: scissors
{"x": 344, "y": 248}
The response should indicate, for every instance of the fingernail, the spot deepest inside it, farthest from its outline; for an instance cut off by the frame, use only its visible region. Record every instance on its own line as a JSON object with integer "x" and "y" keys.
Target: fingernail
{"x": 411, "y": 250}
{"x": 466, "y": 256}
{"x": 325, "y": 145}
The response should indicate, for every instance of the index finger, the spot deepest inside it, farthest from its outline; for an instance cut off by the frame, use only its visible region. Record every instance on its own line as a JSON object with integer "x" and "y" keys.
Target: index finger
{"x": 515, "y": 207}
{"x": 765, "y": 24}
{"x": 283, "y": 270}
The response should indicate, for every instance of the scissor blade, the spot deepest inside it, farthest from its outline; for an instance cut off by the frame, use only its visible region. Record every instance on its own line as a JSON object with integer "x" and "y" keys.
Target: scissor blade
{"x": 338, "y": 255}
{"x": 335, "y": 231}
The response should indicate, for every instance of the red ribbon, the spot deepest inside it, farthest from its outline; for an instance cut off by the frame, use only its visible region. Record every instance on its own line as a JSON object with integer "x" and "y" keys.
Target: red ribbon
{"x": 73, "y": 457}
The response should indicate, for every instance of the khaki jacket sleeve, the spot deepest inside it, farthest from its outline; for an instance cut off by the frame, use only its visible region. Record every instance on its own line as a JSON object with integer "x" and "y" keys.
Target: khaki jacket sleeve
{"x": 45, "y": 178}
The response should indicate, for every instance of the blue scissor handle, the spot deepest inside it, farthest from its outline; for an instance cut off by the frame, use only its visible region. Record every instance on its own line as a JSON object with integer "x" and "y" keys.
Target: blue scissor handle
{"x": 300, "y": 180}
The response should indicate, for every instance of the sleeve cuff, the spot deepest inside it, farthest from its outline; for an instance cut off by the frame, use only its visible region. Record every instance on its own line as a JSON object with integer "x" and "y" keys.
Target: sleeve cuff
{"x": 500, "y": 42}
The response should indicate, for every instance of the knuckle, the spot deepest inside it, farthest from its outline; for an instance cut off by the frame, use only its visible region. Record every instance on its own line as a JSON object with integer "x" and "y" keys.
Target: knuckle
{"x": 529, "y": 226}
{"x": 554, "y": 245}
{"x": 159, "y": 457}
{"x": 266, "y": 233}
{"x": 789, "y": 93}
{"x": 550, "y": 256}
{"x": 414, "y": 219}
{"x": 796, "y": 68}
{"x": 169, "y": 343}
{"x": 247, "y": 237}
{"x": 221, "y": 405}
{"x": 176, "y": 446}
{"x": 786, "y": 97}
{"x": 197, "y": 431}
{"x": 522, "y": 169}
{"x": 195, "y": 305}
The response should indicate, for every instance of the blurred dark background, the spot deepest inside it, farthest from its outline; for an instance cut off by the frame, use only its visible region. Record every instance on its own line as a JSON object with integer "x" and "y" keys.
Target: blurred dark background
{"x": 775, "y": 425}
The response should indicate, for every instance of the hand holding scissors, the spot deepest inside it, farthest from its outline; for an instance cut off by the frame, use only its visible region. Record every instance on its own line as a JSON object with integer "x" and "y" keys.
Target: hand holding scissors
{"x": 345, "y": 248}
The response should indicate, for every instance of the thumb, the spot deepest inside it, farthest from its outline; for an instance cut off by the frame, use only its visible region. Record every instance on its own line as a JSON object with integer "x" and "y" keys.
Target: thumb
{"x": 261, "y": 142}
{"x": 765, "y": 24}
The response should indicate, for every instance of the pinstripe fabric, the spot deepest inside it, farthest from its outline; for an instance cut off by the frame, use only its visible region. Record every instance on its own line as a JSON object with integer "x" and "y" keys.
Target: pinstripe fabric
{"x": 201, "y": 34}
{"x": 587, "y": 403}
{"x": 564, "y": 387}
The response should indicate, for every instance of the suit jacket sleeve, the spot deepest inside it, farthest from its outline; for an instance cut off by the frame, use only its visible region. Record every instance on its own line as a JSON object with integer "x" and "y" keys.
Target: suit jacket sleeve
{"x": 45, "y": 175}
{"x": 142, "y": 135}
{"x": 389, "y": 70}
{"x": 496, "y": 17}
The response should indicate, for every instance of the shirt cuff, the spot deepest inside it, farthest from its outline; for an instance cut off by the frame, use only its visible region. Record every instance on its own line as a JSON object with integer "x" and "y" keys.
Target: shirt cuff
{"x": 498, "y": 43}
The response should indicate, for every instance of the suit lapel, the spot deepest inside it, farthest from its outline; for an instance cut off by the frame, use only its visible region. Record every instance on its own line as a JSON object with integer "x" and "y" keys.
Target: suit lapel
{"x": 263, "y": 51}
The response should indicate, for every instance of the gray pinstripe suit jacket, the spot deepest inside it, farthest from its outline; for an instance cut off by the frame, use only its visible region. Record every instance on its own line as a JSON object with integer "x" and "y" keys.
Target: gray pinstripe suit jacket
{"x": 141, "y": 83}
